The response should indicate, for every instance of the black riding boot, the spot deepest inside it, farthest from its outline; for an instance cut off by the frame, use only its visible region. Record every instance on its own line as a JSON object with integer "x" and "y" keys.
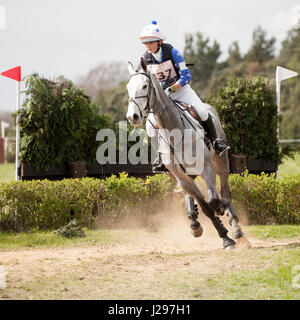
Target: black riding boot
{"x": 218, "y": 144}
{"x": 158, "y": 166}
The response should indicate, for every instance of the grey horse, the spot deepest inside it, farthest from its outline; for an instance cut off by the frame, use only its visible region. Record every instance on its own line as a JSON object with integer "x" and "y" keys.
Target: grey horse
{"x": 146, "y": 95}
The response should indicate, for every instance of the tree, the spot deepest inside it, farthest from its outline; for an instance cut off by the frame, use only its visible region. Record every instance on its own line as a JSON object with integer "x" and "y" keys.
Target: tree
{"x": 105, "y": 84}
{"x": 104, "y": 76}
{"x": 234, "y": 57}
{"x": 114, "y": 101}
{"x": 290, "y": 103}
{"x": 204, "y": 57}
{"x": 261, "y": 49}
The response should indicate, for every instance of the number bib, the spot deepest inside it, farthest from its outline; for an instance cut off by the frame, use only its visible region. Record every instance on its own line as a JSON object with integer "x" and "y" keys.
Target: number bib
{"x": 164, "y": 72}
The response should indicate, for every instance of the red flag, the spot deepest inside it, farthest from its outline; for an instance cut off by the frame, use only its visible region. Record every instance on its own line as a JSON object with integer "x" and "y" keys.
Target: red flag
{"x": 14, "y": 73}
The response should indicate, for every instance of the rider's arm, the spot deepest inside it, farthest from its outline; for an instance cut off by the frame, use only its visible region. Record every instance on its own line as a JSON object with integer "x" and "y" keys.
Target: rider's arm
{"x": 184, "y": 72}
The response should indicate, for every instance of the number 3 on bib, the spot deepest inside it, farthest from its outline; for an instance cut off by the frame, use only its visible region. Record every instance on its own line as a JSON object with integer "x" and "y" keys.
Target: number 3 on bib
{"x": 163, "y": 71}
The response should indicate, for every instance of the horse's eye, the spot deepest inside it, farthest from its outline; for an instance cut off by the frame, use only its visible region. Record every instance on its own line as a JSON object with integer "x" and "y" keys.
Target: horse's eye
{"x": 144, "y": 87}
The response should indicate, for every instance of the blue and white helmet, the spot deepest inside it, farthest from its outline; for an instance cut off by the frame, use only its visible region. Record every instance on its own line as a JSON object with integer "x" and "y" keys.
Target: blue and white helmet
{"x": 152, "y": 33}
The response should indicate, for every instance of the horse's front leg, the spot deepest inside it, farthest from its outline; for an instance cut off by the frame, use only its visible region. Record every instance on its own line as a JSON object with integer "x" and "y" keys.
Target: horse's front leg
{"x": 189, "y": 187}
{"x": 192, "y": 212}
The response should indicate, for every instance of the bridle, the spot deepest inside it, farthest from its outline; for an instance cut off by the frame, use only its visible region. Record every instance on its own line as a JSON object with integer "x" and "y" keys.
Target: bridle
{"x": 132, "y": 99}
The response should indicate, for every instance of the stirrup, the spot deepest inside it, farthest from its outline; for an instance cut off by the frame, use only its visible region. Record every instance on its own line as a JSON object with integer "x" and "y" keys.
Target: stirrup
{"x": 218, "y": 152}
{"x": 159, "y": 168}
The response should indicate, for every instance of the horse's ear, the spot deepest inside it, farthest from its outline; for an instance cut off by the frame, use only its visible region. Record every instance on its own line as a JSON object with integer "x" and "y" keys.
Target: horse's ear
{"x": 130, "y": 68}
{"x": 143, "y": 64}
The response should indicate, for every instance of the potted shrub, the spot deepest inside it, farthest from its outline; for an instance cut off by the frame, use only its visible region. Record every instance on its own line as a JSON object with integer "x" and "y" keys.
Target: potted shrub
{"x": 248, "y": 111}
{"x": 58, "y": 125}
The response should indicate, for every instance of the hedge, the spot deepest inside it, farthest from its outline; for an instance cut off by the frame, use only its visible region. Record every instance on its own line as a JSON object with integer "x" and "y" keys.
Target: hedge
{"x": 36, "y": 205}
{"x": 44, "y": 204}
{"x": 265, "y": 199}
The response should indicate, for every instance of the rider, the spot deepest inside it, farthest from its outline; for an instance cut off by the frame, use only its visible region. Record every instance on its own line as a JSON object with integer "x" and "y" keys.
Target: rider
{"x": 169, "y": 68}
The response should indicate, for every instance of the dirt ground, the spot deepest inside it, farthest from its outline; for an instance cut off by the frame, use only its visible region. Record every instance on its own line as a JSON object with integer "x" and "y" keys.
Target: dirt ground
{"x": 119, "y": 269}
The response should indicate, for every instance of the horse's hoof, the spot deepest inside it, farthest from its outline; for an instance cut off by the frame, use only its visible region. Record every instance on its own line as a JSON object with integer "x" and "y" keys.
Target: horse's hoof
{"x": 229, "y": 248}
{"x": 227, "y": 242}
{"x": 198, "y": 232}
{"x": 237, "y": 233}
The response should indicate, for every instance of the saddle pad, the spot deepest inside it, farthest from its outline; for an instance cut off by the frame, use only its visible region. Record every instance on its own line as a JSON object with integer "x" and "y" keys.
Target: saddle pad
{"x": 183, "y": 107}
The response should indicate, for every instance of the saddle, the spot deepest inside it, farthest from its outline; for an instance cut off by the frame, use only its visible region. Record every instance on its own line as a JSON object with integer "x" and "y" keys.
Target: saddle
{"x": 192, "y": 111}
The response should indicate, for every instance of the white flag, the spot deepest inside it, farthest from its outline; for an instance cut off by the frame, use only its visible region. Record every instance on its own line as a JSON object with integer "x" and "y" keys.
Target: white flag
{"x": 4, "y": 124}
{"x": 283, "y": 74}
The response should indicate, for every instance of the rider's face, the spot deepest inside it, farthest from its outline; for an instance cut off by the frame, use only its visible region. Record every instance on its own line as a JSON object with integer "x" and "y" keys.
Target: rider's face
{"x": 152, "y": 47}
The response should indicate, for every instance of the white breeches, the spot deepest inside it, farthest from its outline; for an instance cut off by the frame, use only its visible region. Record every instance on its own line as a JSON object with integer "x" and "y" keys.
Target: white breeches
{"x": 187, "y": 95}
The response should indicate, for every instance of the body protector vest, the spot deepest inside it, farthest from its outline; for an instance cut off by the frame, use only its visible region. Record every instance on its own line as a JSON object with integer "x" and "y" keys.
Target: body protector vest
{"x": 165, "y": 71}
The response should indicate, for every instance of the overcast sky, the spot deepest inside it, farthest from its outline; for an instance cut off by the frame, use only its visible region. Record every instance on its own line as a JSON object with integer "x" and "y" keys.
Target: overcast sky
{"x": 69, "y": 37}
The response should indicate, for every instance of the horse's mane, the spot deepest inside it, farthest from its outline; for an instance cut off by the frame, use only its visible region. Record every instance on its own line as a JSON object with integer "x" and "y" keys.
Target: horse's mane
{"x": 161, "y": 96}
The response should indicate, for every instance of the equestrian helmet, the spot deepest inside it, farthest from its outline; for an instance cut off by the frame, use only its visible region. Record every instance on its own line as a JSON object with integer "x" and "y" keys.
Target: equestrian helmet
{"x": 152, "y": 33}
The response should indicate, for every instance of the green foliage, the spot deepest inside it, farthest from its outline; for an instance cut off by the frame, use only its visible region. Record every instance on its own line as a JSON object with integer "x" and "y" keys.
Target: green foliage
{"x": 266, "y": 199}
{"x": 44, "y": 204}
{"x": 37, "y": 205}
{"x": 113, "y": 101}
{"x": 71, "y": 230}
{"x": 124, "y": 195}
{"x": 290, "y": 89}
{"x": 58, "y": 124}
{"x": 204, "y": 56}
{"x": 209, "y": 75}
{"x": 261, "y": 49}
{"x": 41, "y": 205}
{"x": 248, "y": 112}
{"x": 274, "y": 231}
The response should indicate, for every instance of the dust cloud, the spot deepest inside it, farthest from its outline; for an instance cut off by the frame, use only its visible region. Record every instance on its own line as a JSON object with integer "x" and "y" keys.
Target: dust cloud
{"x": 169, "y": 229}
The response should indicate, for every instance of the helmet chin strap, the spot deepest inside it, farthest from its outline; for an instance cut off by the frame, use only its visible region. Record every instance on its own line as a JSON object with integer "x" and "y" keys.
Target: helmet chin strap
{"x": 158, "y": 47}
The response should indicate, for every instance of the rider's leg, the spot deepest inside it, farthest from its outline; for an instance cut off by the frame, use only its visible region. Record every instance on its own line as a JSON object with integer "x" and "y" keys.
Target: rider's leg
{"x": 188, "y": 95}
{"x": 152, "y": 131}
{"x": 218, "y": 144}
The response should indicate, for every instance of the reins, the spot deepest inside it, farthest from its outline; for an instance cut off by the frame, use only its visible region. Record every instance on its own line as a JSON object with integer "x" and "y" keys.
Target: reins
{"x": 147, "y": 109}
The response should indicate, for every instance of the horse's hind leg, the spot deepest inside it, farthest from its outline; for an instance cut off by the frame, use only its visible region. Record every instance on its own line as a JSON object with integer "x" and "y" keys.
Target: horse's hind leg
{"x": 217, "y": 204}
{"x": 222, "y": 168}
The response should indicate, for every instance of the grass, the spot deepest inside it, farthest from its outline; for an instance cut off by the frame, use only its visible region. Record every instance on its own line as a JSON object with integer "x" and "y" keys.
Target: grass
{"x": 290, "y": 166}
{"x": 274, "y": 231}
{"x": 47, "y": 239}
{"x": 269, "y": 284}
{"x": 7, "y": 172}
{"x": 272, "y": 282}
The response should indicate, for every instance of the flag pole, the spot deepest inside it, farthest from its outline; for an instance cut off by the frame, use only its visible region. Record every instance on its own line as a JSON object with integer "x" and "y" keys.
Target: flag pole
{"x": 15, "y": 74}
{"x": 278, "y": 104}
{"x": 17, "y": 130}
{"x": 281, "y": 74}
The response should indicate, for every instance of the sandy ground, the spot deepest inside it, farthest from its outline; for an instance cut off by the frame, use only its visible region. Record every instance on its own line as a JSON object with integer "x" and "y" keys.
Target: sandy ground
{"x": 132, "y": 259}
{"x": 173, "y": 237}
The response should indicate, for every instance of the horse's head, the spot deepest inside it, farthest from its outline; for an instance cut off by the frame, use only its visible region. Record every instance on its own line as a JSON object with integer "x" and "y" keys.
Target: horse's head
{"x": 140, "y": 92}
